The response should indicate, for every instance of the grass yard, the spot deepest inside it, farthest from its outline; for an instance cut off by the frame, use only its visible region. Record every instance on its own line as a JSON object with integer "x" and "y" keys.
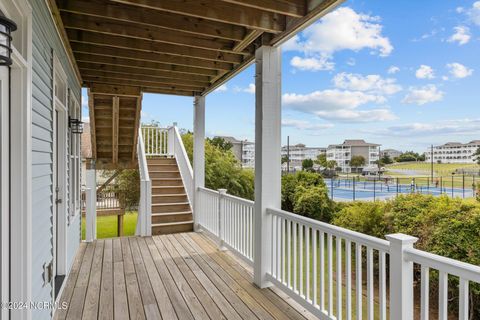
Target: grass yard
{"x": 107, "y": 225}
{"x": 440, "y": 169}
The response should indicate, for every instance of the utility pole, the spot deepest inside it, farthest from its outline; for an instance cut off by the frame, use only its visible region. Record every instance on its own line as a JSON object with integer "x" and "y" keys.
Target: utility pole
{"x": 431, "y": 162}
{"x": 288, "y": 154}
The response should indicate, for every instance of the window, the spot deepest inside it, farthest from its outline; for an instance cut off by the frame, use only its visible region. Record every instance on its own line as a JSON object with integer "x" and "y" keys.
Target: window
{"x": 74, "y": 157}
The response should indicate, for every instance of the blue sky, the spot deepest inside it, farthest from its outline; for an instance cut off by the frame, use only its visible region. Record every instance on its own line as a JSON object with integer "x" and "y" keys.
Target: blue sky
{"x": 404, "y": 74}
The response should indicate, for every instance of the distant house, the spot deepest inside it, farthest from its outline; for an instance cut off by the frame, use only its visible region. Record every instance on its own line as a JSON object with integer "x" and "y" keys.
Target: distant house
{"x": 343, "y": 153}
{"x": 300, "y": 152}
{"x": 454, "y": 152}
{"x": 243, "y": 150}
{"x": 392, "y": 153}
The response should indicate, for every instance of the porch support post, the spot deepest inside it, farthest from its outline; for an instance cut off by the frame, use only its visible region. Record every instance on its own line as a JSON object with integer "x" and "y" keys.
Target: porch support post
{"x": 198, "y": 153}
{"x": 91, "y": 205}
{"x": 267, "y": 155}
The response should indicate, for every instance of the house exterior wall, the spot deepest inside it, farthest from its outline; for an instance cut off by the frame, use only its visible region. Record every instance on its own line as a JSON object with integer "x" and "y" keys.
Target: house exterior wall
{"x": 46, "y": 44}
{"x": 343, "y": 153}
{"x": 454, "y": 152}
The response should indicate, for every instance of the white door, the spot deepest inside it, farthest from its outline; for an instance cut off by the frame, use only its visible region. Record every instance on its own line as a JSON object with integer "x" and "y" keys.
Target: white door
{"x": 4, "y": 186}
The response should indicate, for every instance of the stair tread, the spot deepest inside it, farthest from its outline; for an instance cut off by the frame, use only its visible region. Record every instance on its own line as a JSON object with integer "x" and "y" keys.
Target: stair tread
{"x": 163, "y": 171}
{"x": 166, "y": 224}
{"x": 169, "y": 195}
{"x": 165, "y": 179}
{"x": 170, "y": 203}
{"x": 171, "y": 213}
{"x": 167, "y": 187}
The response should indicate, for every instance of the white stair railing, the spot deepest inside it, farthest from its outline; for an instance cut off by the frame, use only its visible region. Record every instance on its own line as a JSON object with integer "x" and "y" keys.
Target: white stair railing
{"x": 177, "y": 149}
{"x": 156, "y": 141}
{"x": 144, "y": 222}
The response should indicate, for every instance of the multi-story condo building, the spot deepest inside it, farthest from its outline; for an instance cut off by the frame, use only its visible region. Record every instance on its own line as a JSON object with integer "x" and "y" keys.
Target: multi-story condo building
{"x": 454, "y": 152}
{"x": 392, "y": 153}
{"x": 343, "y": 153}
{"x": 300, "y": 152}
{"x": 243, "y": 150}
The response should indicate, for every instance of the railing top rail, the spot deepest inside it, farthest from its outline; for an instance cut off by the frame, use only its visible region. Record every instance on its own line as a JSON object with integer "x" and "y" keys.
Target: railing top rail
{"x": 206, "y": 190}
{"x": 357, "y": 237}
{"x": 454, "y": 267}
{"x": 184, "y": 152}
{"x": 240, "y": 200}
{"x": 142, "y": 161}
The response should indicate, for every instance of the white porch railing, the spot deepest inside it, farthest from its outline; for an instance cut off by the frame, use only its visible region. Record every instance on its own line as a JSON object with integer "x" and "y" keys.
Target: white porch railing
{"x": 228, "y": 219}
{"x": 156, "y": 141}
{"x": 333, "y": 272}
{"x": 144, "y": 220}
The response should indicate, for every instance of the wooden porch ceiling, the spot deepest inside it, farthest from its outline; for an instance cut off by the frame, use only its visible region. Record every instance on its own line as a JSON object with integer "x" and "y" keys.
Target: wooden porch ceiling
{"x": 182, "y": 47}
{"x": 122, "y": 48}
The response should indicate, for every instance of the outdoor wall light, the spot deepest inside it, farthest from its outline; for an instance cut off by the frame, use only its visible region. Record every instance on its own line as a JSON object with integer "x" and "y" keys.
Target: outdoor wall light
{"x": 75, "y": 125}
{"x": 7, "y": 26}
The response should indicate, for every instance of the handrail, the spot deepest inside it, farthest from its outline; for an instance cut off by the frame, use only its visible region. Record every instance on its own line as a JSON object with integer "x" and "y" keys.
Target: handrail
{"x": 183, "y": 162}
{"x": 145, "y": 209}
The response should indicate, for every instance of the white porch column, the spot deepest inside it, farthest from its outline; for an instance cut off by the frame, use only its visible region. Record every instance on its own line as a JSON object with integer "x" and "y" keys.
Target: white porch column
{"x": 198, "y": 152}
{"x": 91, "y": 205}
{"x": 267, "y": 155}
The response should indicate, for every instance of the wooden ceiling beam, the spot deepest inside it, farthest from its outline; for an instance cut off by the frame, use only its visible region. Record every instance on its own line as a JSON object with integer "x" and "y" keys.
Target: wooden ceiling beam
{"x": 217, "y": 11}
{"x": 292, "y": 8}
{"x": 150, "y": 60}
{"x": 152, "y": 82}
{"x": 94, "y": 65}
{"x": 137, "y": 126}
{"x": 143, "y": 16}
{"x": 116, "y": 90}
{"x": 150, "y": 46}
{"x": 142, "y": 86}
{"x": 149, "y": 33}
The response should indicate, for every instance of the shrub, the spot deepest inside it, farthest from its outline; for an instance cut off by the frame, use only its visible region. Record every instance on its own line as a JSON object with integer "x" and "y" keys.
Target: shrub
{"x": 313, "y": 202}
{"x": 128, "y": 188}
{"x": 364, "y": 217}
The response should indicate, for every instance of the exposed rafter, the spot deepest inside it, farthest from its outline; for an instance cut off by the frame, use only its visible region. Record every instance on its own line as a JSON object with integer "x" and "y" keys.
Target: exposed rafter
{"x": 292, "y": 8}
{"x": 115, "y": 128}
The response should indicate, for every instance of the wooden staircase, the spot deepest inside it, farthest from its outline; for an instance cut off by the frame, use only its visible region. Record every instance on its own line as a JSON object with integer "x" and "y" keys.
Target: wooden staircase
{"x": 171, "y": 211}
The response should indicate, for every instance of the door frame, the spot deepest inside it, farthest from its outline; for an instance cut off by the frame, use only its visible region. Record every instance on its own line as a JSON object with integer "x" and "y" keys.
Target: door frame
{"x": 60, "y": 213}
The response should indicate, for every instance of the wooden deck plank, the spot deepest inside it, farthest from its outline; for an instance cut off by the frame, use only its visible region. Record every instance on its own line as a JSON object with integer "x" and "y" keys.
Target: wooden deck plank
{"x": 212, "y": 290}
{"x": 61, "y": 314}
{"x": 181, "y": 267}
{"x": 120, "y": 302}
{"x": 154, "y": 303}
{"x": 117, "y": 250}
{"x": 105, "y": 310}
{"x": 240, "y": 306}
{"x": 90, "y": 308}
{"x": 241, "y": 292}
{"x": 277, "y": 307}
{"x": 78, "y": 298}
{"x": 164, "y": 262}
{"x": 156, "y": 267}
{"x": 135, "y": 305}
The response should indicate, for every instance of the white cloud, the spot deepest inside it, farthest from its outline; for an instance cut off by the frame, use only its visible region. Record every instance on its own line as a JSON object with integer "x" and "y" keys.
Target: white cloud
{"x": 461, "y": 35}
{"x": 393, "y": 70}
{"x": 372, "y": 83}
{"x": 305, "y": 125}
{"x": 340, "y": 105}
{"x": 86, "y": 119}
{"x": 458, "y": 70}
{"x": 473, "y": 13}
{"x": 425, "y": 72}
{"x": 342, "y": 29}
{"x": 84, "y": 101}
{"x": 312, "y": 64}
{"x": 460, "y": 127}
{"x": 249, "y": 89}
{"x": 423, "y": 95}
{"x": 222, "y": 88}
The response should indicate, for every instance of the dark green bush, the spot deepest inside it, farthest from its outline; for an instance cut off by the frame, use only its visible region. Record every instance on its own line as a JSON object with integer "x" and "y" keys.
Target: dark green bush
{"x": 313, "y": 202}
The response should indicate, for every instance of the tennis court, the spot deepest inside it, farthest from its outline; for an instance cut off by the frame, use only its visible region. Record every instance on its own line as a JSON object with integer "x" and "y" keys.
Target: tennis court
{"x": 351, "y": 190}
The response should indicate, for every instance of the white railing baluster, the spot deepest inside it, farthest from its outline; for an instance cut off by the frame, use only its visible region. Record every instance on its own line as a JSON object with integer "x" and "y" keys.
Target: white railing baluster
{"x": 289, "y": 254}
{"x": 463, "y": 300}
{"x": 330, "y": 274}
{"x": 322, "y": 270}
{"x": 425, "y": 293}
{"x": 339, "y": 276}
{"x": 314, "y": 266}
{"x": 382, "y": 283}
{"x": 295, "y": 225}
{"x": 307, "y": 263}
{"x": 300, "y": 258}
{"x": 358, "y": 280}
{"x": 348, "y": 273}
{"x": 370, "y": 292}
{"x": 442, "y": 295}
{"x": 284, "y": 249}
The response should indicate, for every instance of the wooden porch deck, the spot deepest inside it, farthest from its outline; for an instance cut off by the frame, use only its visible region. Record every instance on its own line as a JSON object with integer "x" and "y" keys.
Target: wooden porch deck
{"x": 181, "y": 276}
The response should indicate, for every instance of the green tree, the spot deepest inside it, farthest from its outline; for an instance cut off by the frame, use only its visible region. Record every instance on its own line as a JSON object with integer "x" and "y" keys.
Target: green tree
{"x": 284, "y": 159}
{"x": 307, "y": 164}
{"x": 127, "y": 187}
{"x": 221, "y": 143}
{"x": 386, "y": 159}
{"x": 477, "y": 156}
{"x": 331, "y": 164}
{"x": 321, "y": 160}
{"x": 357, "y": 162}
{"x": 222, "y": 169}
{"x": 313, "y": 202}
{"x": 410, "y": 156}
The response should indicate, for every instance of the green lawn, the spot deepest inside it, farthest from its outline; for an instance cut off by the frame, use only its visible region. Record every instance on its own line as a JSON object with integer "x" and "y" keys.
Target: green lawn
{"x": 440, "y": 169}
{"x": 107, "y": 226}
